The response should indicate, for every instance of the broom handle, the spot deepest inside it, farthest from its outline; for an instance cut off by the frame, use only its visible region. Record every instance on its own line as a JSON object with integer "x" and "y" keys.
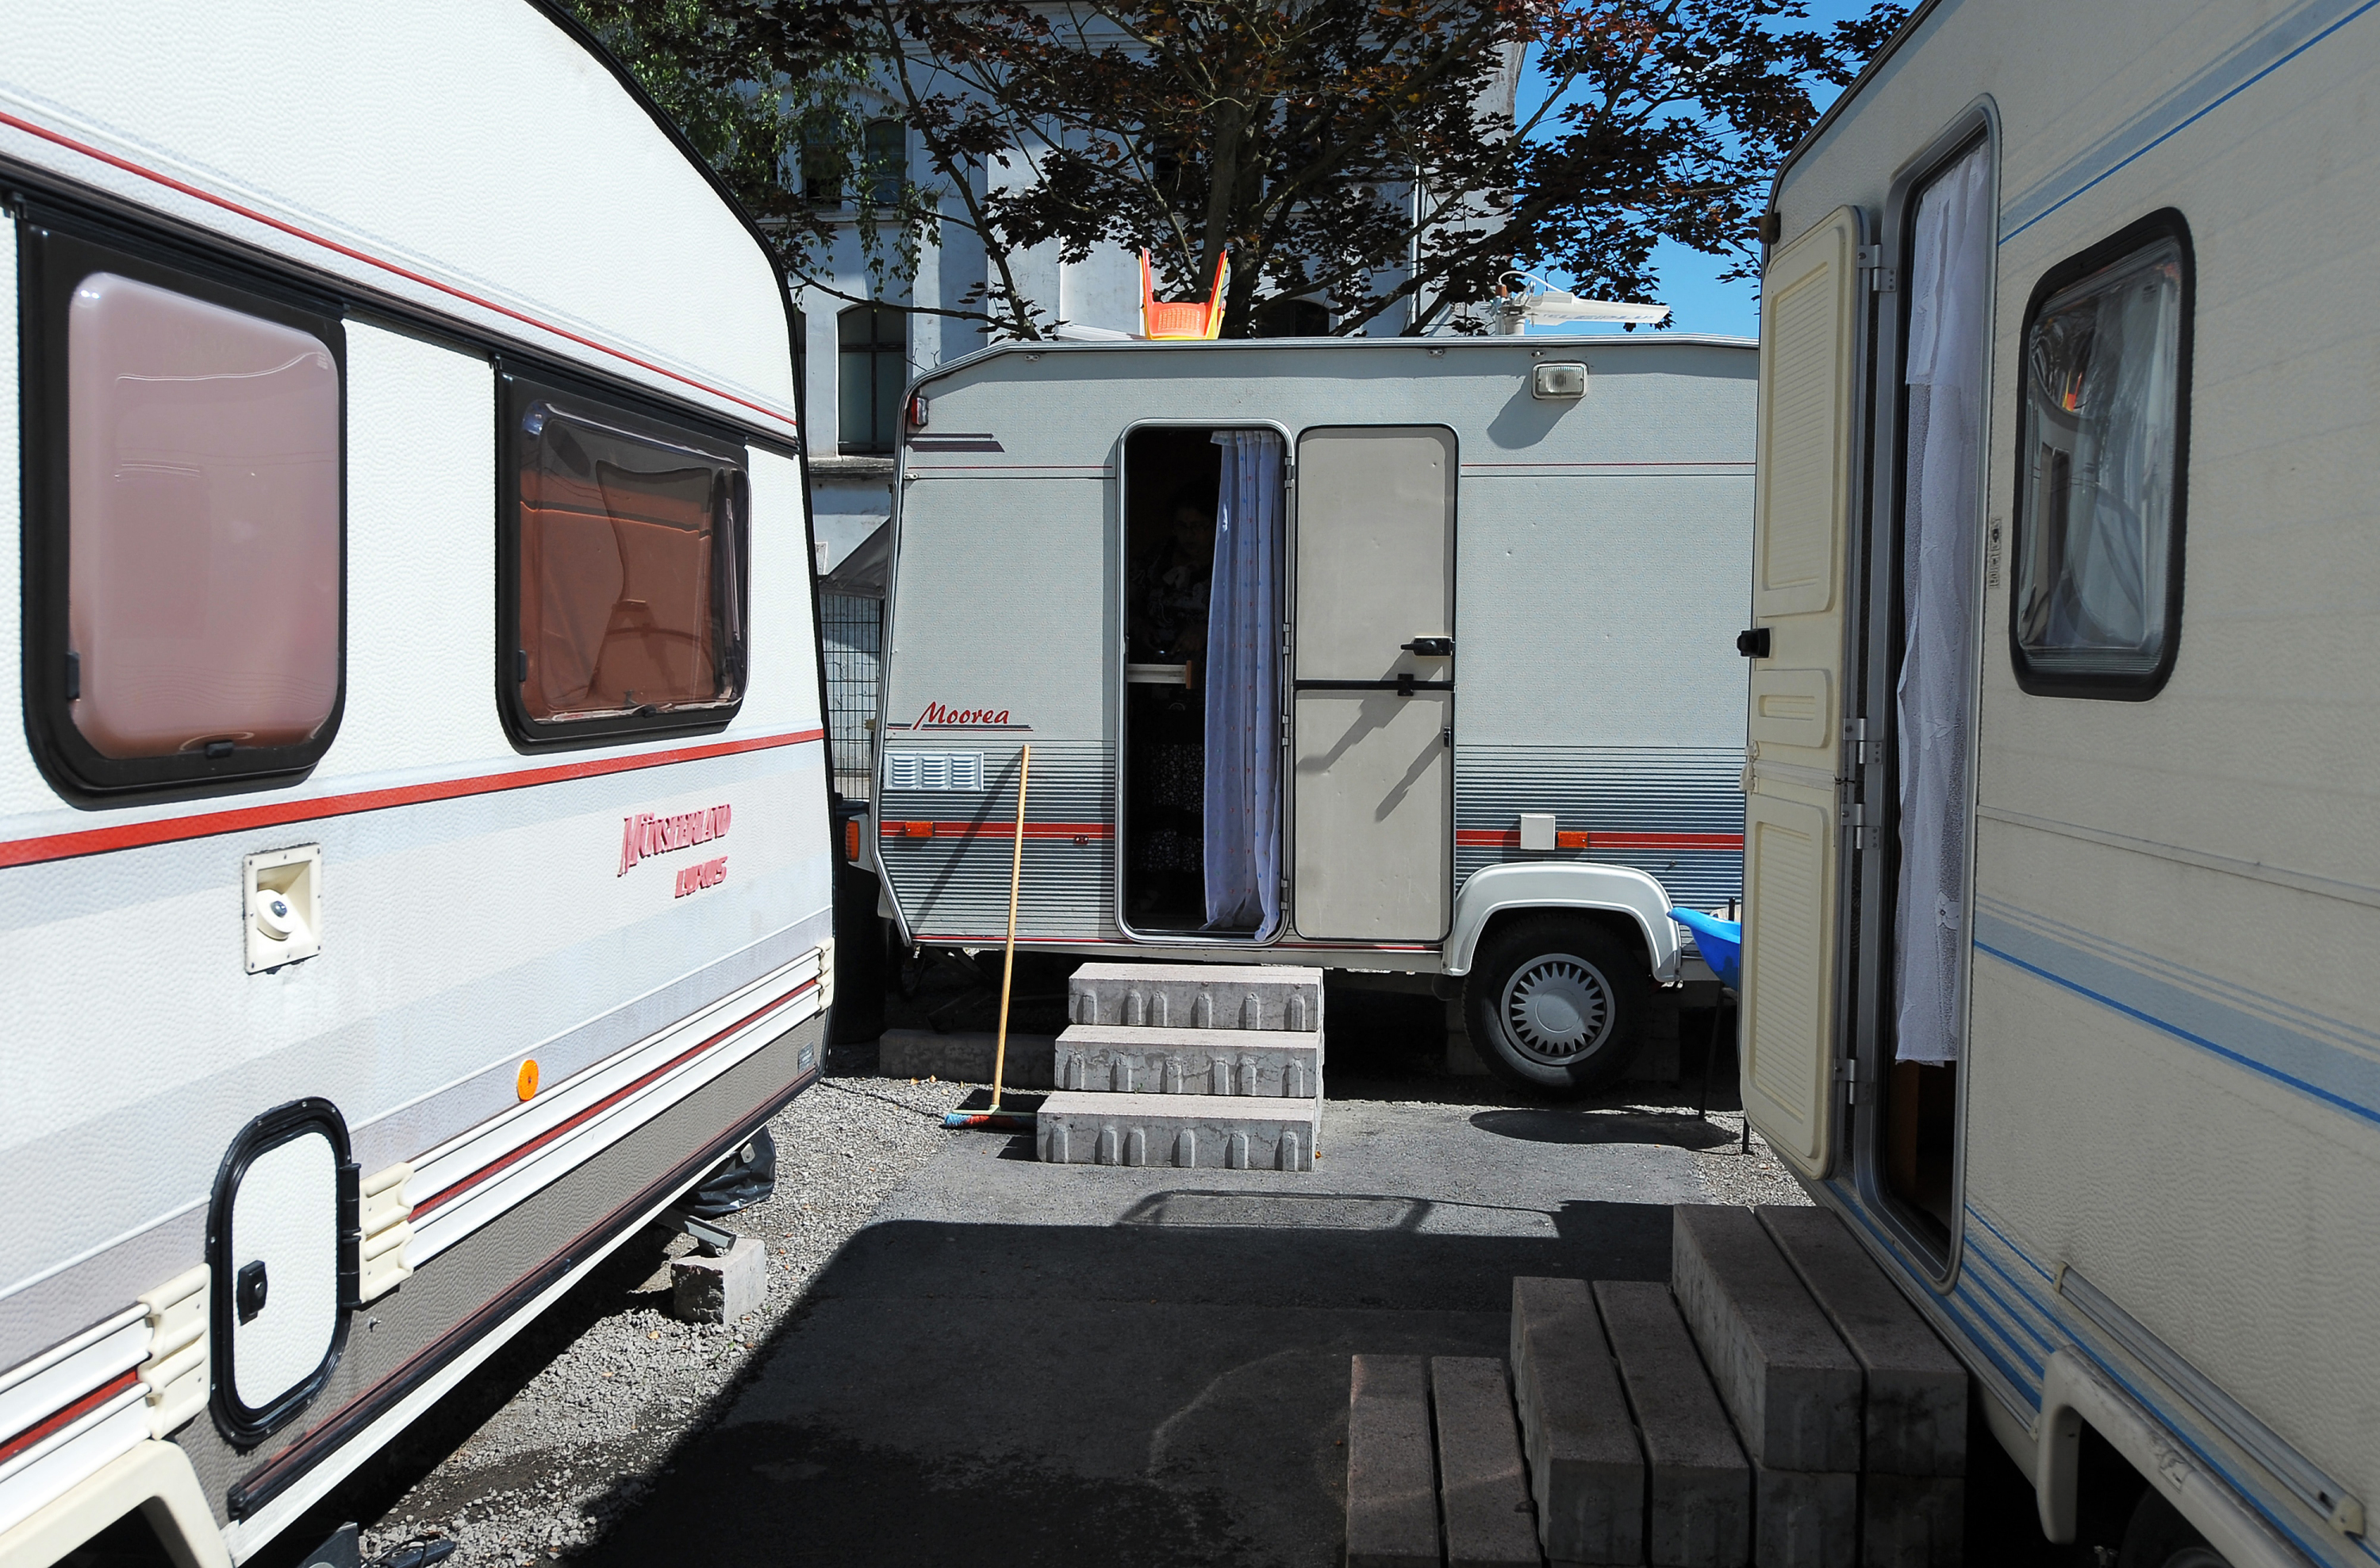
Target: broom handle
{"x": 1008, "y": 963}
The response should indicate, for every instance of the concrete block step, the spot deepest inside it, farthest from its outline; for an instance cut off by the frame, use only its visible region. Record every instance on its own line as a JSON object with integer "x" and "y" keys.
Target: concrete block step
{"x": 1586, "y": 1472}
{"x": 1698, "y": 1485}
{"x": 1392, "y": 1465}
{"x": 1483, "y": 1489}
{"x": 1780, "y": 1370}
{"x": 1912, "y": 1521}
{"x": 1120, "y": 1058}
{"x": 1914, "y": 1417}
{"x": 1804, "y": 1518}
{"x": 1202, "y": 1131}
{"x": 1198, "y": 996}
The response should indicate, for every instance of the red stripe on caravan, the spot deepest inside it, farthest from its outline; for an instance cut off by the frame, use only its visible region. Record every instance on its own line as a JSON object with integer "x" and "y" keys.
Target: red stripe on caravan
{"x": 67, "y": 1416}
{"x": 1509, "y": 839}
{"x": 173, "y": 830}
{"x": 893, "y": 828}
{"x": 112, "y": 160}
{"x": 605, "y": 1104}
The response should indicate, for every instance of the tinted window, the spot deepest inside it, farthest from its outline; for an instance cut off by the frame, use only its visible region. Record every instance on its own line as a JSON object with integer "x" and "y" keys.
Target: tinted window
{"x": 626, "y": 571}
{"x": 184, "y": 572}
{"x": 873, "y": 353}
{"x": 2099, "y": 538}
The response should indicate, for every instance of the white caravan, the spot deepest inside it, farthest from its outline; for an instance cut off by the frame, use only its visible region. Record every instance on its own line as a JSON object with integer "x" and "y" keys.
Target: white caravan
{"x": 2062, "y": 888}
{"x": 414, "y": 861}
{"x": 1391, "y": 655}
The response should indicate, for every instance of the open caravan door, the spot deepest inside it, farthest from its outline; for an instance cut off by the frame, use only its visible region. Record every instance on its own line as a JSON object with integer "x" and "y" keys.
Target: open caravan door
{"x": 1810, "y": 343}
{"x": 1372, "y": 654}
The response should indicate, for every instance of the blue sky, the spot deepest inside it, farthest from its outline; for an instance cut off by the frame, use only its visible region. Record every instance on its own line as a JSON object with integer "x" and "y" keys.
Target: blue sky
{"x": 1690, "y": 285}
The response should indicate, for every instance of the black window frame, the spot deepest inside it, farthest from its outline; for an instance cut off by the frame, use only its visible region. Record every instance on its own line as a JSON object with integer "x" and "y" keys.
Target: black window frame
{"x": 521, "y": 383}
{"x": 881, "y": 444}
{"x": 2164, "y": 226}
{"x": 56, "y": 250}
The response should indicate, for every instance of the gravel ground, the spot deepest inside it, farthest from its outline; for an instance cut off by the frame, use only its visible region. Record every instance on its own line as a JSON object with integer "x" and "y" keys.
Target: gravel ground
{"x": 577, "y": 1442}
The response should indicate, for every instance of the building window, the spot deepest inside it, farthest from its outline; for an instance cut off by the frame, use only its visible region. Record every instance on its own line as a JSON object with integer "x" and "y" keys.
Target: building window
{"x": 186, "y": 591}
{"x": 886, "y": 165}
{"x": 824, "y": 166}
{"x": 623, "y": 584}
{"x": 2104, "y": 439}
{"x": 872, "y": 351}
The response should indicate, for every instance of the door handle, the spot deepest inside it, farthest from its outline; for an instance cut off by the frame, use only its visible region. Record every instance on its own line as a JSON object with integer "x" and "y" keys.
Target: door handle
{"x": 1429, "y": 647}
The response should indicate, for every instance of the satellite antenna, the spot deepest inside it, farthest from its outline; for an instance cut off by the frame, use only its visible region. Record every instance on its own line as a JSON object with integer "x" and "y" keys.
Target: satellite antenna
{"x": 1524, "y": 297}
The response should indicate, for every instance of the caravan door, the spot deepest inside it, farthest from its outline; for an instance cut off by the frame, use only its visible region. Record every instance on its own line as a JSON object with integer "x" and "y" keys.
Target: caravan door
{"x": 1810, "y": 343}
{"x": 1372, "y": 661}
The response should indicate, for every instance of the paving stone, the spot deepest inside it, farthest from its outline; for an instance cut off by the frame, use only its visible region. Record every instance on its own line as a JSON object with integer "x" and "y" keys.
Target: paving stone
{"x": 1915, "y": 1416}
{"x": 1483, "y": 1490}
{"x": 1391, "y": 1473}
{"x": 1804, "y": 1518}
{"x": 1120, "y": 1058}
{"x": 1200, "y": 1131}
{"x": 1912, "y": 1521}
{"x": 966, "y": 1056}
{"x": 1585, "y": 1471}
{"x": 1785, "y": 1377}
{"x": 1698, "y": 1485}
{"x": 719, "y": 1290}
{"x": 1198, "y": 995}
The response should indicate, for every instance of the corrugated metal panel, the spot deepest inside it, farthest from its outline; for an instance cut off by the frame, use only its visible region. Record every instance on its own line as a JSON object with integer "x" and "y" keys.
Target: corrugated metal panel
{"x": 954, "y": 884}
{"x": 1659, "y": 792}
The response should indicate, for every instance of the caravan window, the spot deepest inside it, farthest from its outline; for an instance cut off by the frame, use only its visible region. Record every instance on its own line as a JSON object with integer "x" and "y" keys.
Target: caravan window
{"x": 623, "y": 580}
{"x": 186, "y": 595}
{"x": 2097, "y": 601}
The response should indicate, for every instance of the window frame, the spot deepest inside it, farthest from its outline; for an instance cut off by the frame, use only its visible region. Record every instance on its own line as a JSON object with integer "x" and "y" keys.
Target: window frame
{"x": 56, "y": 251}
{"x": 876, "y": 348}
{"x": 2166, "y": 225}
{"x": 518, "y": 384}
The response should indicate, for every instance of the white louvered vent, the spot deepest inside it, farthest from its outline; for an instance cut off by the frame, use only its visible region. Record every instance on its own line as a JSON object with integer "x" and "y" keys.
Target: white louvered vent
{"x": 935, "y": 770}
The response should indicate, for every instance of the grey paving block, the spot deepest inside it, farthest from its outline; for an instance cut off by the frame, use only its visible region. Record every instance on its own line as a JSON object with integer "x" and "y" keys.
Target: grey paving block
{"x": 1198, "y": 995}
{"x": 1391, "y": 1471}
{"x": 1697, "y": 1483}
{"x": 1804, "y": 1518}
{"x": 1912, "y": 1521}
{"x": 1120, "y": 1058}
{"x": 1483, "y": 1489}
{"x": 1915, "y": 1416}
{"x": 967, "y": 1057}
{"x": 1785, "y": 1377}
{"x": 1192, "y": 1131}
{"x": 1585, "y": 1471}
{"x": 704, "y": 1289}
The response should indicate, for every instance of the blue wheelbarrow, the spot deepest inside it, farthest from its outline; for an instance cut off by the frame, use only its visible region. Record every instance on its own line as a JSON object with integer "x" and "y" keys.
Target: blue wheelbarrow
{"x": 1721, "y": 941}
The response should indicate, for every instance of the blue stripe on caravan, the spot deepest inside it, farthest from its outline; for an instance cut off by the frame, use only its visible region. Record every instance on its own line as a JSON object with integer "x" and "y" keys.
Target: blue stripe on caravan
{"x": 2029, "y": 1389}
{"x": 2344, "y": 1078}
{"x": 2022, "y": 1295}
{"x": 2257, "y": 57}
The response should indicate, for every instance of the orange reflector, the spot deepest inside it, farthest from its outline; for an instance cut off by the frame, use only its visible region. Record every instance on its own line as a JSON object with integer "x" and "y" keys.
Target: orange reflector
{"x": 918, "y": 830}
{"x": 1570, "y": 841}
{"x": 525, "y": 1084}
{"x": 851, "y": 840}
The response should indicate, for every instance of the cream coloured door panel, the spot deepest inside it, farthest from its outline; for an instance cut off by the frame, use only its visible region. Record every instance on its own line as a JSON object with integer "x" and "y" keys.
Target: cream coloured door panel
{"x": 1374, "y": 853}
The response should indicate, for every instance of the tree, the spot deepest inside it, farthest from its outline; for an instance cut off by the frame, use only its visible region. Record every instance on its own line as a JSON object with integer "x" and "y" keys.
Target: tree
{"x": 1365, "y": 151}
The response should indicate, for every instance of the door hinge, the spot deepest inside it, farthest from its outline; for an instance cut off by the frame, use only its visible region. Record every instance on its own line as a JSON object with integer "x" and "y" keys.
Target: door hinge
{"x": 1852, "y": 817}
{"x": 1856, "y": 750}
{"x": 1880, "y": 279}
{"x": 1858, "y": 1088}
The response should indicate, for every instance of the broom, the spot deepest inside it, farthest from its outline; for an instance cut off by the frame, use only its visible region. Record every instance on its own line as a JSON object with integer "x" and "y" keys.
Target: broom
{"x": 993, "y": 1116}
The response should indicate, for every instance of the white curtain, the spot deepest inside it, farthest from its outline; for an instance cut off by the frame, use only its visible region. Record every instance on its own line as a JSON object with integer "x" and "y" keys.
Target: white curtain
{"x": 1242, "y": 682}
{"x": 1950, "y": 283}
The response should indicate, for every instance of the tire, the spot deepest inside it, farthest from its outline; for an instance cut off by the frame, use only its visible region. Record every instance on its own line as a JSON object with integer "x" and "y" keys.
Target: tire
{"x": 1554, "y": 1005}
{"x": 2159, "y": 1537}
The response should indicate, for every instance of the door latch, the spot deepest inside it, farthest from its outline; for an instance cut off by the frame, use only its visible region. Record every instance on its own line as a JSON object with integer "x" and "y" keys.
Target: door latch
{"x": 1753, "y": 644}
{"x": 1429, "y": 647}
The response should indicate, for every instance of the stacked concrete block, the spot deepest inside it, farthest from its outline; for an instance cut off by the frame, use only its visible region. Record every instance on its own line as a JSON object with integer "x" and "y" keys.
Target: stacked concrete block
{"x": 1123, "y": 1058}
{"x": 1785, "y": 1377}
{"x": 1698, "y": 1484}
{"x": 1586, "y": 1472}
{"x": 1483, "y": 1489}
{"x": 1190, "y": 1066}
{"x": 1913, "y": 1493}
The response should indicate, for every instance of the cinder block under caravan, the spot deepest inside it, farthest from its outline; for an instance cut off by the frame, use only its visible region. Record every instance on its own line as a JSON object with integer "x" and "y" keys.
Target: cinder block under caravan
{"x": 1392, "y": 654}
{"x": 2061, "y": 882}
{"x": 414, "y": 854}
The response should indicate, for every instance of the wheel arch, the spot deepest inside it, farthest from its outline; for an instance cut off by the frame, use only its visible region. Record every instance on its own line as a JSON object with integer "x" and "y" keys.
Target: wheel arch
{"x": 1622, "y": 895}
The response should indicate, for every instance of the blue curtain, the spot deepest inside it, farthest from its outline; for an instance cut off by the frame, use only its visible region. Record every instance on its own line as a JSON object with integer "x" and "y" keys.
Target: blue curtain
{"x": 1242, "y": 681}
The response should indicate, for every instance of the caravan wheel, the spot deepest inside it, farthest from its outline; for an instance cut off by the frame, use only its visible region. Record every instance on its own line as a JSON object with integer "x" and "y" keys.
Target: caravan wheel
{"x": 2159, "y": 1537}
{"x": 1552, "y": 1006}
